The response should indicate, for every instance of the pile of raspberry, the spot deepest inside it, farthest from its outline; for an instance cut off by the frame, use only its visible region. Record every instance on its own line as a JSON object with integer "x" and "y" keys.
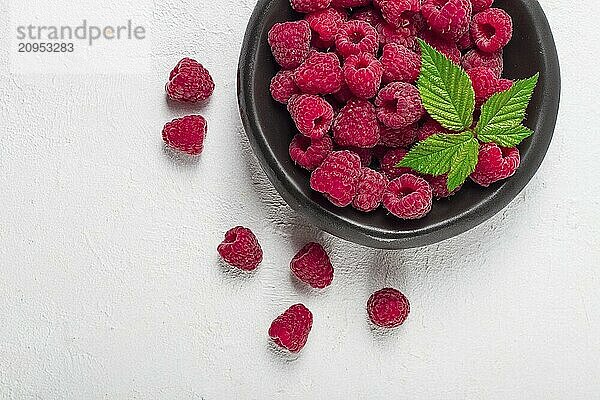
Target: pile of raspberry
{"x": 348, "y": 78}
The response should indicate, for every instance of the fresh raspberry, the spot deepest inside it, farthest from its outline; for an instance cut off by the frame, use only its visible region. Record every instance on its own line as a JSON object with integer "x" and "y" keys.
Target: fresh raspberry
{"x": 465, "y": 42}
{"x": 399, "y": 105}
{"x": 370, "y": 190}
{"x": 403, "y": 137}
{"x": 379, "y": 152}
{"x": 368, "y": 14}
{"x": 439, "y": 186}
{"x": 356, "y": 125}
{"x": 321, "y": 73}
{"x": 485, "y": 84}
{"x": 311, "y": 114}
{"x": 366, "y": 155}
{"x": 310, "y": 153}
{"x": 355, "y": 37}
{"x": 290, "y": 330}
{"x": 388, "y": 163}
{"x": 337, "y": 177}
{"x": 491, "y": 29}
{"x": 363, "y": 73}
{"x": 408, "y": 197}
{"x": 190, "y": 82}
{"x": 388, "y": 308}
{"x": 186, "y": 134}
{"x": 404, "y": 35}
{"x": 503, "y": 85}
{"x": 395, "y": 12}
{"x": 400, "y": 64}
{"x": 448, "y": 18}
{"x": 446, "y": 47}
{"x": 477, "y": 58}
{"x": 495, "y": 163}
{"x": 283, "y": 86}
{"x": 309, "y": 6}
{"x": 312, "y": 266}
{"x": 480, "y": 5}
{"x": 430, "y": 127}
{"x": 350, "y": 3}
{"x": 241, "y": 249}
{"x": 324, "y": 25}
{"x": 343, "y": 95}
{"x": 290, "y": 43}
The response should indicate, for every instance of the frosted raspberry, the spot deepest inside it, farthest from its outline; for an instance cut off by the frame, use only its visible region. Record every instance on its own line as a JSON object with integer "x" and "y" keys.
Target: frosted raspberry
{"x": 343, "y": 95}
{"x": 312, "y": 266}
{"x": 290, "y": 330}
{"x": 465, "y": 42}
{"x": 241, "y": 249}
{"x": 321, "y": 73}
{"x": 366, "y": 155}
{"x": 388, "y": 163}
{"x": 368, "y": 14}
{"x": 363, "y": 73}
{"x": 403, "y": 137}
{"x": 430, "y": 127}
{"x": 337, "y": 177}
{"x": 485, "y": 84}
{"x": 310, "y": 153}
{"x": 439, "y": 186}
{"x": 395, "y": 12}
{"x": 408, "y": 197}
{"x": 448, "y": 18}
{"x": 290, "y": 43}
{"x": 370, "y": 190}
{"x": 190, "y": 82}
{"x": 446, "y": 47}
{"x": 324, "y": 25}
{"x": 491, "y": 29}
{"x": 477, "y": 58}
{"x": 495, "y": 163}
{"x": 311, "y": 114}
{"x": 186, "y": 134}
{"x": 309, "y": 6}
{"x": 400, "y": 64}
{"x": 283, "y": 86}
{"x": 399, "y": 105}
{"x": 388, "y": 308}
{"x": 480, "y": 5}
{"x": 356, "y": 125}
{"x": 350, "y": 3}
{"x": 355, "y": 37}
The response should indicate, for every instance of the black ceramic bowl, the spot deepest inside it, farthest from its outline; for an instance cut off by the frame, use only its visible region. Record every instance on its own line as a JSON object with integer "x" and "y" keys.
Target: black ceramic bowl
{"x": 270, "y": 130}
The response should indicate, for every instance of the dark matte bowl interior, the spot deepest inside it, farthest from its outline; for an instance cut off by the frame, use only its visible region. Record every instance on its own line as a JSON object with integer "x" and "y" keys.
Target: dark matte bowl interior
{"x": 270, "y": 130}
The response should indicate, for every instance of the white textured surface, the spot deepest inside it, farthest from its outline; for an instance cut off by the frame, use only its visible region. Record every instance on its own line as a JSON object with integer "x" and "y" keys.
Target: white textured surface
{"x": 110, "y": 286}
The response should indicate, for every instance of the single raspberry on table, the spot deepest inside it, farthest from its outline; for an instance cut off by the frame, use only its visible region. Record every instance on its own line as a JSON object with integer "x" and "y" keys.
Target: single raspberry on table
{"x": 312, "y": 266}
{"x": 439, "y": 186}
{"x": 324, "y": 25}
{"x": 480, "y": 5}
{"x": 309, "y": 6}
{"x": 186, "y": 134}
{"x": 290, "y": 43}
{"x": 388, "y": 308}
{"x": 190, "y": 82}
{"x": 491, "y": 29}
{"x": 448, "y": 18}
{"x": 390, "y": 159}
{"x": 370, "y": 190}
{"x": 320, "y": 73}
{"x": 310, "y": 153}
{"x": 485, "y": 84}
{"x": 477, "y": 58}
{"x": 350, "y": 3}
{"x": 283, "y": 87}
{"x": 363, "y": 73}
{"x": 400, "y": 64}
{"x": 241, "y": 249}
{"x": 355, "y": 37}
{"x": 403, "y": 137}
{"x": 337, "y": 177}
{"x": 395, "y": 12}
{"x": 311, "y": 114}
{"x": 495, "y": 163}
{"x": 446, "y": 47}
{"x": 399, "y": 105}
{"x": 290, "y": 330}
{"x": 408, "y": 197}
{"x": 356, "y": 125}
{"x": 368, "y": 14}
{"x": 430, "y": 127}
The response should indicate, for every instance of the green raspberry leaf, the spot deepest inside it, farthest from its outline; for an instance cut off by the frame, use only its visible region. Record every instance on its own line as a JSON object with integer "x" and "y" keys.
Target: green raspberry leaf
{"x": 509, "y": 137}
{"x": 463, "y": 164}
{"x": 446, "y": 90}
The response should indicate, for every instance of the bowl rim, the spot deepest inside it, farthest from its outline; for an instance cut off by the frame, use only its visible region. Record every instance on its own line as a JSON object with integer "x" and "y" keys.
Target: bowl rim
{"x": 348, "y": 229}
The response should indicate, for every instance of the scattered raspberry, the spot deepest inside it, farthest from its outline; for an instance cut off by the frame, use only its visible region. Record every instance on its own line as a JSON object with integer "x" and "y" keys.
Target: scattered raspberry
{"x": 408, "y": 197}
{"x": 430, "y": 127}
{"x": 290, "y": 330}
{"x": 400, "y": 64}
{"x": 312, "y": 266}
{"x": 368, "y": 14}
{"x": 388, "y": 308}
{"x": 446, "y": 47}
{"x": 390, "y": 159}
{"x": 241, "y": 249}
{"x": 290, "y": 43}
{"x": 355, "y": 37}
{"x": 395, "y": 12}
{"x": 485, "y": 84}
{"x": 491, "y": 29}
{"x": 186, "y": 134}
{"x": 321, "y": 73}
{"x": 403, "y": 35}
{"x": 309, "y": 6}
{"x": 465, "y": 42}
{"x": 403, "y": 137}
{"x": 311, "y": 114}
{"x": 448, "y": 18}
{"x": 477, "y": 58}
{"x": 439, "y": 186}
{"x": 399, "y": 105}
{"x": 190, "y": 82}
{"x": 480, "y": 5}
{"x": 363, "y": 73}
{"x": 337, "y": 177}
{"x": 310, "y": 153}
{"x": 324, "y": 25}
{"x": 495, "y": 163}
{"x": 366, "y": 155}
{"x": 370, "y": 190}
{"x": 343, "y": 95}
{"x": 356, "y": 125}
{"x": 350, "y": 3}
{"x": 283, "y": 86}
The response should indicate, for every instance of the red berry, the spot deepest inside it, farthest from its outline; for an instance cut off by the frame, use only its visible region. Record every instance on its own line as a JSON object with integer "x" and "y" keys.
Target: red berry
{"x": 485, "y": 83}
{"x": 290, "y": 330}
{"x": 465, "y": 42}
{"x": 312, "y": 266}
{"x": 480, "y": 5}
{"x": 369, "y": 15}
{"x": 404, "y": 35}
{"x": 366, "y": 155}
{"x": 283, "y": 86}
{"x": 403, "y": 137}
{"x": 400, "y": 64}
{"x": 241, "y": 249}
{"x": 310, "y": 153}
{"x": 370, "y": 190}
{"x": 343, "y": 95}
{"x": 408, "y": 197}
{"x": 290, "y": 43}
{"x": 190, "y": 82}
{"x": 356, "y": 125}
{"x": 430, "y": 127}
{"x": 355, "y": 37}
{"x": 446, "y": 47}
{"x": 321, "y": 73}
{"x": 309, "y": 6}
{"x": 390, "y": 159}
{"x": 395, "y": 12}
{"x": 495, "y": 163}
{"x": 448, "y": 18}
{"x": 324, "y": 25}
{"x": 311, "y": 114}
{"x": 186, "y": 134}
{"x": 439, "y": 186}
{"x": 363, "y": 73}
{"x": 388, "y": 308}
{"x": 477, "y": 58}
{"x": 337, "y": 177}
{"x": 491, "y": 29}
{"x": 350, "y": 3}
{"x": 399, "y": 105}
